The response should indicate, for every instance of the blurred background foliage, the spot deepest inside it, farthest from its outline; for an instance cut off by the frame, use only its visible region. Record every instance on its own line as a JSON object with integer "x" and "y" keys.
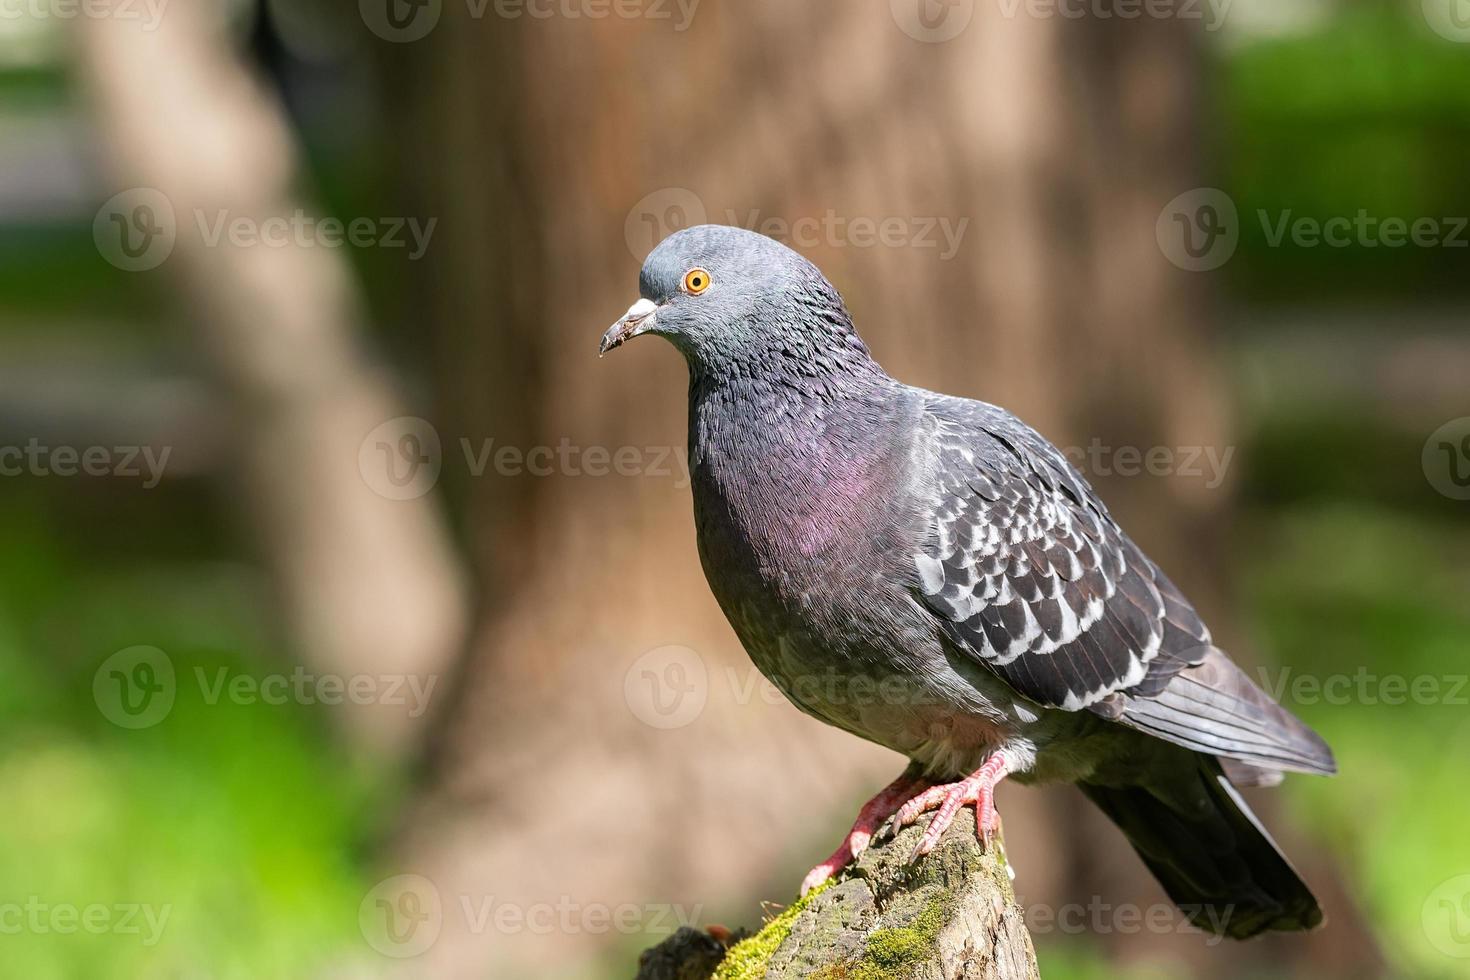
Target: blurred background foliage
{"x": 253, "y": 822}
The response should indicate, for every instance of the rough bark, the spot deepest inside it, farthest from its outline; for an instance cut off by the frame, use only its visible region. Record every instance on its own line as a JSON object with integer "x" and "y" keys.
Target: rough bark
{"x": 948, "y": 916}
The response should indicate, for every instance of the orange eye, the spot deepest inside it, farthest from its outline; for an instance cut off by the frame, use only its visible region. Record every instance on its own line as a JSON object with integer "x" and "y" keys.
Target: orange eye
{"x": 696, "y": 281}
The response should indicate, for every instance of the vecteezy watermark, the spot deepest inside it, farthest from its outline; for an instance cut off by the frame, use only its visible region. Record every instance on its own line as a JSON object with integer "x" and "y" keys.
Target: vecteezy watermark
{"x": 301, "y": 686}
{"x": 150, "y": 12}
{"x": 659, "y": 214}
{"x": 1211, "y": 13}
{"x": 402, "y": 916}
{"x": 136, "y": 688}
{"x": 1209, "y": 463}
{"x": 138, "y": 229}
{"x": 670, "y": 686}
{"x": 941, "y": 234}
{"x": 1365, "y": 687}
{"x": 667, "y": 687}
{"x": 1098, "y": 917}
{"x": 405, "y": 21}
{"x": 1450, "y": 19}
{"x": 667, "y": 210}
{"x": 144, "y": 463}
{"x": 1200, "y": 229}
{"x": 932, "y": 21}
{"x": 1446, "y": 459}
{"x": 402, "y": 459}
{"x": 1363, "y": 230}
{"x": 1445, "y": 917}
{"x": 38, "y": 917}
{"x": 567, "y": 458}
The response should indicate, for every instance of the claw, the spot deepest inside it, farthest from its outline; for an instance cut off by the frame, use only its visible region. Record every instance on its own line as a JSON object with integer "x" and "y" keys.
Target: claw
{"x": 977, "y": 789}
{"x": 870, "y": 818}
{"x": 887, "y": 813}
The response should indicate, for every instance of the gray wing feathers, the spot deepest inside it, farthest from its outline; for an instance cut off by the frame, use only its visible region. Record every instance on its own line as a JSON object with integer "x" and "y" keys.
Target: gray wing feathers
{"x": 1214, "y": 707}
{"x": 1028, "y": 572}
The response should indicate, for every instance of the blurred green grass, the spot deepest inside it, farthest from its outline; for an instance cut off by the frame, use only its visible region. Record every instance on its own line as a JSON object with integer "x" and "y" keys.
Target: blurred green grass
{"x": 237, "y": 822}
{"x": 1376, "y": 597}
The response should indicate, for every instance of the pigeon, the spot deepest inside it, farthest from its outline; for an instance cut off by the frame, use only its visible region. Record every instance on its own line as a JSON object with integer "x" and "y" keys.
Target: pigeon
{"x": 929, "y": 573}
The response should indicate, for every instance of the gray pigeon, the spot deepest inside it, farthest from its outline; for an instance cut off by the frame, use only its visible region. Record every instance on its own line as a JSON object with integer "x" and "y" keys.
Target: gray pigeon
{"x": 930, "y": 574}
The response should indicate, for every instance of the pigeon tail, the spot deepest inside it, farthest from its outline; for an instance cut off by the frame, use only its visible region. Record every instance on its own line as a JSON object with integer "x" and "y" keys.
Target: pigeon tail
{"x": 1210, "y": 853}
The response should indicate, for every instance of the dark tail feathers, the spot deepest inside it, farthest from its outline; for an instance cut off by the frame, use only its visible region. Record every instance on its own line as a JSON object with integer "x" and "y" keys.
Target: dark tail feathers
{"x": 1210, "y": 853}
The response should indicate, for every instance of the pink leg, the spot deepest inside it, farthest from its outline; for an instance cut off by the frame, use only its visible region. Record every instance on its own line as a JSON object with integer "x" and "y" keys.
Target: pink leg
{"x": 870, "y": 817}
{"x": 977, "y": 788}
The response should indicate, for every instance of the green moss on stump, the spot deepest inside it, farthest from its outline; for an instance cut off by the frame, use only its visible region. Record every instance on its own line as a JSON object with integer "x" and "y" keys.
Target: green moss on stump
{"x": 888, "y": 918}
{"x": 747, "y": 959}
{"x": 892, "y": 953}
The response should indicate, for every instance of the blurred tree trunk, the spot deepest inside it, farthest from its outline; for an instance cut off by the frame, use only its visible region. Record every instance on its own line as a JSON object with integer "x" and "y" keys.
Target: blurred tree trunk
{"x": 369, "y": 582}
{"x": 557, "y": 152}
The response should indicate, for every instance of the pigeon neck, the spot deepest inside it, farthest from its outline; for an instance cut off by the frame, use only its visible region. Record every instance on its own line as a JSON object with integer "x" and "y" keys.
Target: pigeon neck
{"x": 770, "y": 412}
{"x": 808, "y": 342}
{"x": 788, "y": 365}
{"x": 776, "y": 456}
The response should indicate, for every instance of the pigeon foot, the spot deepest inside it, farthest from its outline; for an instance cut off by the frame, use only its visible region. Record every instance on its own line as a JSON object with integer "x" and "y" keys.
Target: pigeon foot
{"x": 869, "y": 819}
{"x": 977, "y": 788}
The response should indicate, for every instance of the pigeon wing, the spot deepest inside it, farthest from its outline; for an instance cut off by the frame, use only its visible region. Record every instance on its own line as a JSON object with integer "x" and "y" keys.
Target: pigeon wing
{"x": 1029, "y": 573}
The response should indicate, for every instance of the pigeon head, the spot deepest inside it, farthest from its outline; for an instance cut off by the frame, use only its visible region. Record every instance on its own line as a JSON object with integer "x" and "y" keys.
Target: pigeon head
{"x": 731, "y": 299}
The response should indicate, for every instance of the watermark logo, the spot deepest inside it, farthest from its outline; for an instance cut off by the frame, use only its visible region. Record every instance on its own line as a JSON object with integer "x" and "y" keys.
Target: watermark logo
{"x": 942, "y": 234}
{"x": 1207, "y": 463}
{"x": 1100, "y": 917}
{"x": 663, "y": 212}
{"x": 136, "y": 229}
{"x": 401, "y": 459}
{"x": 1365, "y": 687}
{"x": 298, "y": 229}
{"x": 1211, "y": 13}
{"x": 410, "y": 691}
{"x": 667, "y": 687}
{"x": 143, "y": 463}
{"x": 932, "y": 21}
{"x": 401, "y": 916}
{"x": 658, "y": 215}
{"x": 1199, "y": 229}
{"x": 1362, "y": 230}
{"x": 405, "y": 21}
{"x": 135, "y": 688}
{"x": 400, "y": 21}
{"x": 1450, "y": 19}
{"x": 39, "y": 917}
{"x": 1446, "y": 917}
{"x": 148, "y": 12}
{"x": 680, "y": 13}
{"x": 1446, "y": 459}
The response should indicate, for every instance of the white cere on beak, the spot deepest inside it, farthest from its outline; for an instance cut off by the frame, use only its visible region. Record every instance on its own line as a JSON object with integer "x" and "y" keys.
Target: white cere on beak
{"x": 639, "y": 310}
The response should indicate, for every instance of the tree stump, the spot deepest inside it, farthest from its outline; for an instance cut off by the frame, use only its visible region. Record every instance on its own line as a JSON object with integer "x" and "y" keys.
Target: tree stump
{"x": 950, "y": 915}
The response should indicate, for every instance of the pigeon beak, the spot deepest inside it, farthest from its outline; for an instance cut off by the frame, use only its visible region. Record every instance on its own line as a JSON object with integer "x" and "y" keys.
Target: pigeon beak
{"x": 638, "y": 319}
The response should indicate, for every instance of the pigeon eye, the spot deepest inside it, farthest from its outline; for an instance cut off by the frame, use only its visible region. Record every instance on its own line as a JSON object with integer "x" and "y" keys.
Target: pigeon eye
{"x": 696, "y": 281}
